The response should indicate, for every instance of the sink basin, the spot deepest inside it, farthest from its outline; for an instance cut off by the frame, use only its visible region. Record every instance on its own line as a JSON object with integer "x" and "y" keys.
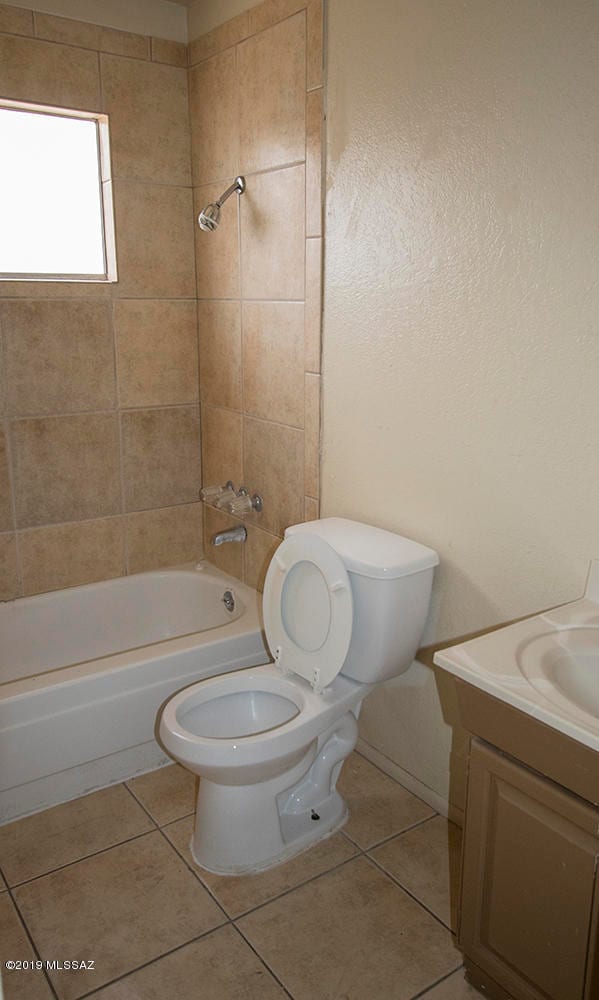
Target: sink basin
{"x": 546, "y": 666}
{"x": 563, "y": 666}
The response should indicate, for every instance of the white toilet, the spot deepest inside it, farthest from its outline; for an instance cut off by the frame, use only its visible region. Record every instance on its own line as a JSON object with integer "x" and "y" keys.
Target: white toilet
{"x": 344, "y": 609}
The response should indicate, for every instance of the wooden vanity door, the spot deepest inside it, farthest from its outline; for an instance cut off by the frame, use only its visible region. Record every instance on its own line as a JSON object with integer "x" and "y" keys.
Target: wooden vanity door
{"x": 528, "y": 903}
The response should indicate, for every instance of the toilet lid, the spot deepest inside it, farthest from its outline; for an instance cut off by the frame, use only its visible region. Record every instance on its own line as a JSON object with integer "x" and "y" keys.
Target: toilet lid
{"x": 308, "y": 609}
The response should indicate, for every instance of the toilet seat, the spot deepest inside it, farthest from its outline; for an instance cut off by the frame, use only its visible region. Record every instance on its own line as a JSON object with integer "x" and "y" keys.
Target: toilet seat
{"x": 308, "y": 609}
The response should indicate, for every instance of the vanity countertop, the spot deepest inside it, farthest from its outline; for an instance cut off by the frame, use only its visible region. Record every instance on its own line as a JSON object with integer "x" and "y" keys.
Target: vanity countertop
{"x": 546, "y": 666}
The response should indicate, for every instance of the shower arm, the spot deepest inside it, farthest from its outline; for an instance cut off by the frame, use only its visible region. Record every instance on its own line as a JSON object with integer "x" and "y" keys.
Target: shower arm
{"x": 237, "y": 187}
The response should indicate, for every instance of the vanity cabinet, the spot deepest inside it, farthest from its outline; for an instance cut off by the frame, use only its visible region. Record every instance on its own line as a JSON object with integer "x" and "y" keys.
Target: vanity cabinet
{"x": 529, "y": 900}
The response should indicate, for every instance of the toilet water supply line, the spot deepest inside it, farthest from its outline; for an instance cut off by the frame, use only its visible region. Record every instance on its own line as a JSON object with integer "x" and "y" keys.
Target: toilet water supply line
{"x": 319, "y": 782}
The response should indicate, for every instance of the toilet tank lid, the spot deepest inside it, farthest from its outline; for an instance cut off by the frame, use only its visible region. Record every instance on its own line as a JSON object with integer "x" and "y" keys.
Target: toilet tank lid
{"x": 370, "y": 551}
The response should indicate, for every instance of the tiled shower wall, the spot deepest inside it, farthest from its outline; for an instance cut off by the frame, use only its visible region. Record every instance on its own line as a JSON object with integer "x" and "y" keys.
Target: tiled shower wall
{"x": 256, "y": 104}
{"x": 100, "y": 442}
{"x": 100, "y": 437}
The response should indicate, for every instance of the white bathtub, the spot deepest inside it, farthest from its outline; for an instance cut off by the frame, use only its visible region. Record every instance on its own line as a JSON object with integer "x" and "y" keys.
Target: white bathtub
{"x": 83, "y": 672}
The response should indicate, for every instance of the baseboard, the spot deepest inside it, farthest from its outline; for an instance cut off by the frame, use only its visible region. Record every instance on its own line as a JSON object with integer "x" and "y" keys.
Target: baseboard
{"x": 432, "y": 798}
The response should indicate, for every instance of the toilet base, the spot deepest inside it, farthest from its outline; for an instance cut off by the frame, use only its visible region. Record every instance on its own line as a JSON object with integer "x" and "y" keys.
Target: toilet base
{"x": 290, "y": 850}
{"x": 236, "y": 822}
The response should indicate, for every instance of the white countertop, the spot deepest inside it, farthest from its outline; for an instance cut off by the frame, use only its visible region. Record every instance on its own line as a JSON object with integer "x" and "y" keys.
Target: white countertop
{"x": 496, "y": 662}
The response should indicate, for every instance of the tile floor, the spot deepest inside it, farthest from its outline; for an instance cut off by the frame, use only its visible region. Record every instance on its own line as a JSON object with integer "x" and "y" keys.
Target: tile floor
{"x": 365, "y": 915}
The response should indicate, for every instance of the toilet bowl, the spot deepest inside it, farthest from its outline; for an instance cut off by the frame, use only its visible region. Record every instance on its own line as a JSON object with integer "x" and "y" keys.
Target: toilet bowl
{"x": 268, "y": 742}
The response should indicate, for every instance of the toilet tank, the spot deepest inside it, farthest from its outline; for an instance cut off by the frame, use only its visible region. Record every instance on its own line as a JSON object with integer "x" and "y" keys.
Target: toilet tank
{"x": 391, "y": 579}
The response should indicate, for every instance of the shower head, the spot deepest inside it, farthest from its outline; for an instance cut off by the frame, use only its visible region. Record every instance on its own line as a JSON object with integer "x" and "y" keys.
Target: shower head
{"x": 209, "y": 217}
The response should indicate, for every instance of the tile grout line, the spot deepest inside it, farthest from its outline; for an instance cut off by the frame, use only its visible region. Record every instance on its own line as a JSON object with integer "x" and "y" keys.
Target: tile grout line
{"x": 427, "y": 990}
{"x": 409, "y": 893}
{"x": 151, "y": 961}
{"x": 31, "y": 939}
{"x": 262, "y": 960}
{"x": 84, "y": 857}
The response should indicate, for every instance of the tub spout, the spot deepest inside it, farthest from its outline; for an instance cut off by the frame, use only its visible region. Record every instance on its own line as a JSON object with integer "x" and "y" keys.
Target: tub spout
{"x": 237, "y": 534}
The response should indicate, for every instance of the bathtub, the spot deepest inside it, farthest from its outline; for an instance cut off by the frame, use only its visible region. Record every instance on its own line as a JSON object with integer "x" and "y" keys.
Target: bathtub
{"x": 84, "y": 671}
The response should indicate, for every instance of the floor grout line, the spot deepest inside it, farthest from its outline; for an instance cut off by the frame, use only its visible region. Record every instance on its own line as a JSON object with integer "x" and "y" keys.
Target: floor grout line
{"x": 151, "y": 961}
{"x": 84, "y": 857}
{"x": 263, "y": 961}
{"x": 409, "y": 893}
{"x": 427, "y": 990}
{"x": 31, "y": 941}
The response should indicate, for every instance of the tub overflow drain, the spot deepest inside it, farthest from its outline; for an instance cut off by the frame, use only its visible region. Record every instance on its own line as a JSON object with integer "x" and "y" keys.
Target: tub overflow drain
{"x": 229, "y": 600}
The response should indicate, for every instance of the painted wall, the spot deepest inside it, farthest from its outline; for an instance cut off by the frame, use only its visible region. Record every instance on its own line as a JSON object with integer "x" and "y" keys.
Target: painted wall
{"x": 256, "y": 102}
{"x": 461, "y": 349}
{"x": 99, "y": 428}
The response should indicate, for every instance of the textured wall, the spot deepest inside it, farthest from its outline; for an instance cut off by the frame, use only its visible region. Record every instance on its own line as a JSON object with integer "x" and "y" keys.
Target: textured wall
{"x": 99, "y": 440}
{"x": 461, "y": 350}
{"x": 257, "y": 109}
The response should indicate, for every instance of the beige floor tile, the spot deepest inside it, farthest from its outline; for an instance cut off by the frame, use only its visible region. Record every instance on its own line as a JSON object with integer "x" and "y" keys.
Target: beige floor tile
{"x": 168, "y": 793}
{"x": 2, "y": 884}
{"x": 454, "y": 987}
{"x": 122, "y": 908}
{"x": 426, "y": 862}
{"x": 378, "y": 805}
{"x": 14, "y": 945}
{"x": 219, "y": 967}
{"x": 37, "y": 844}
{"x": 351, "y": 933}
{"x": 242, "y": 893}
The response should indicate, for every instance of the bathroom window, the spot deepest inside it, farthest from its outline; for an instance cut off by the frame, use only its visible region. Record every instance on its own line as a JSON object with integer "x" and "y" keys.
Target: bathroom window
{"x": 56, "y": 218}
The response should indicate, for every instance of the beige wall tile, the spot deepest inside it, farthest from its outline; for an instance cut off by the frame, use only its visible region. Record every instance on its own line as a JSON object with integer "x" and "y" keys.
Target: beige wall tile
{"x": 32, "y": 70}
{"x": 67, "y": 555}
{"x": 272, "y": 67}
{"x": 273, "y": 361}
{"x": 161, "y": 457}
{"x": 312, "y": 473}
{"x": 16, "y": 20}
{"x": 59, "y": 356}
{"x": 227, "y": 34}
{"x": 154, "y": 241}
{"x": 91, "y": 36}
{"x": 228, "y": 557}
{"x": 273, "y": 465}
{"x": 164, "y": 537}
{"x": 219, "y": 327}
{"x": 65, "y": 468}
{"x": 221, "y": 446}
{"x": 165, "y": 51}
{"x": 149, "y": 120}
{"x": 311, "y": 509}
{"x": 265, "y": 14}
{"x": 156, "y": 352}
{"x": 314, "y": 120}
{"x": 10, "y": 584}
{"x": 56, "y": 290}
{"x": 272, "y": 235}
{"x": 314, "y": 44}
{"x": 6, "y": 515}
{"x": 217, "y": 253}
{"x": 259, "y": 550}
{"x": 312, "y": 341}
{"x": 214, "y": 109}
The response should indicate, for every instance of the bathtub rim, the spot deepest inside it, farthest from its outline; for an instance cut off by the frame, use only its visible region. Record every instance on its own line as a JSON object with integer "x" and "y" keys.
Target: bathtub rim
{"x": 248, "y": 621}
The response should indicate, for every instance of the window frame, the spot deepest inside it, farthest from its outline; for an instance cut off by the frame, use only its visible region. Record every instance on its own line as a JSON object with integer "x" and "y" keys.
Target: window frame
{"x": 105, "y": 190}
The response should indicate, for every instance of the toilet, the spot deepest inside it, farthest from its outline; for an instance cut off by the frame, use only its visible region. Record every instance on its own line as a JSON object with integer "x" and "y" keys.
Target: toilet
{"x": 344, "y": 608}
